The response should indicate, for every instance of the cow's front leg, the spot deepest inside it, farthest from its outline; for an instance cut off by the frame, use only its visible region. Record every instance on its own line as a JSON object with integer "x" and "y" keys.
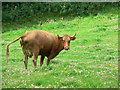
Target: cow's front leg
{"x": 48, "y": 61}
{"x": 41, "y": 60}
{"x": 51, "y": 56}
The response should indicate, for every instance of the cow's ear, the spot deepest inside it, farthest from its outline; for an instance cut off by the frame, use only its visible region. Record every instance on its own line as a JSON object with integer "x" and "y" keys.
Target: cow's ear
{"x": 72, "y": 38}
{"x": 59, "y": 37}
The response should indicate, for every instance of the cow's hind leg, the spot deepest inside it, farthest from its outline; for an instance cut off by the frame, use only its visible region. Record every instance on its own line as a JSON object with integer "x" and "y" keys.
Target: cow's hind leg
{"x": 25, "y": 54}
{"x": 35, "y": 56}
{"x": 25, "y": 57}
{"x": 41, "y": 60}
{"x": 25, "y": 60}
{"x": 35, "y": 60}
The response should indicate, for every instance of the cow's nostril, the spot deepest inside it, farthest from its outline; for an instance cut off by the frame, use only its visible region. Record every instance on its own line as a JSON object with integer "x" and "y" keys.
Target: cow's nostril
{"x": 67, "y": 48}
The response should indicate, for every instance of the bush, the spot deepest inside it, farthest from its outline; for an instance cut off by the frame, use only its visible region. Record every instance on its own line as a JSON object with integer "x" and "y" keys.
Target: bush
{"x": 13, "y": 11}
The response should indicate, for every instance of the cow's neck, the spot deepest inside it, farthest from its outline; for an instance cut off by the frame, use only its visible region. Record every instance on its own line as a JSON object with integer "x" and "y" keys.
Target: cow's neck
{"x": 60, "y": 46}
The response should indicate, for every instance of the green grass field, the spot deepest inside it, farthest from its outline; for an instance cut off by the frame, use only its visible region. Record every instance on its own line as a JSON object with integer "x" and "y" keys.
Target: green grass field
{"x": 92, "y": 61}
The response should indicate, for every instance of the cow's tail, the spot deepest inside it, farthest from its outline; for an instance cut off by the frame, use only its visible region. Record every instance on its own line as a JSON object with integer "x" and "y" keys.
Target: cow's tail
{"x": 7, "y": 47}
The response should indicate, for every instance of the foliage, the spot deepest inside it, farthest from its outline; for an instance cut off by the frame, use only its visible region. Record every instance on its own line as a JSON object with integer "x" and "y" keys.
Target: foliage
{"x": 92, "y": 61}
{"x": 13, "y": 11}
{"x": 17, "y": 15}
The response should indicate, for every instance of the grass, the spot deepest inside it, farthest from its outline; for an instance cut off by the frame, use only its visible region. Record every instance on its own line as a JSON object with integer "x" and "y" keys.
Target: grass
{"x": 92, "y": 61}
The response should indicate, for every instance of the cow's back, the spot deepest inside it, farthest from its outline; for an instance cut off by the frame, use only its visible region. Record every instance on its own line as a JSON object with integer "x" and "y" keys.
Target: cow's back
{"x": 40, "y": 39}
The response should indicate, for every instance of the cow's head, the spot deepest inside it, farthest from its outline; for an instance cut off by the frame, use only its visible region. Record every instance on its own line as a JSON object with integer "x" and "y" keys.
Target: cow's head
{"x": 66, "y": 40}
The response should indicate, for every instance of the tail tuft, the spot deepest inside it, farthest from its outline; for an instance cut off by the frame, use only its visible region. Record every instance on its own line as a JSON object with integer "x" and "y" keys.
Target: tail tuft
{"x": 7, "y": 53}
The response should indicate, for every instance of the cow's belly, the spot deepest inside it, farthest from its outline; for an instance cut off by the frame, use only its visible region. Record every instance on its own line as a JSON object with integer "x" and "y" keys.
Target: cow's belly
{"x": 44, "y": 52}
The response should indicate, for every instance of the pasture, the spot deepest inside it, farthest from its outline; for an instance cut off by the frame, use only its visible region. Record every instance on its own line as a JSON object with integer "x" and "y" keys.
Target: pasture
{"x": 91, "y": 62}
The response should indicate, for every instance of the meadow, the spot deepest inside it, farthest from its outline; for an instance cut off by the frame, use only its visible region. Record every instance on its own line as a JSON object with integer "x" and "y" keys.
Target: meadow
{"x": 91, "y": 62}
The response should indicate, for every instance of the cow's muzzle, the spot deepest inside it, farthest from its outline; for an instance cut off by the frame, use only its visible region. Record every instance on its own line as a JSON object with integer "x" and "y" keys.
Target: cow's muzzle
{"x": 67, "y": 48}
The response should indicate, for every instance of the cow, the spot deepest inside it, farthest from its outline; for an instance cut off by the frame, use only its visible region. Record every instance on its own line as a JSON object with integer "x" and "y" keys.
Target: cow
{"x": 39, "y": 42}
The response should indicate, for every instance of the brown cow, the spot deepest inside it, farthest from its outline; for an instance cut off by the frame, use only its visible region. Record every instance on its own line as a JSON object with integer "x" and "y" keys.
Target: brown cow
{"x": 38, "y": 42}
